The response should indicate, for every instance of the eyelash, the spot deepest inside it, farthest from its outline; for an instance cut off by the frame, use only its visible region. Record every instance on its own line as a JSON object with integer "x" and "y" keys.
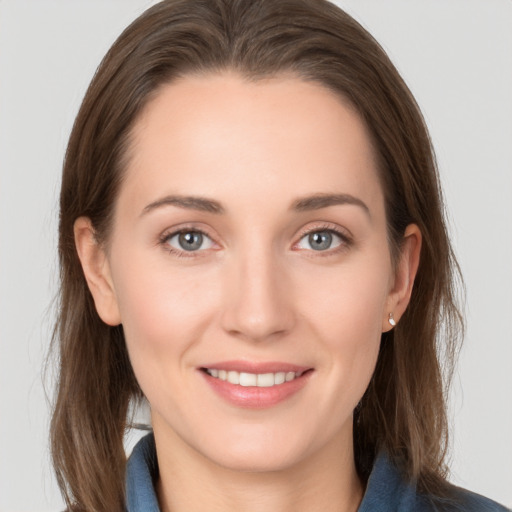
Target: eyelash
{"x": 166, "y": 236}
{"x": 346, "y": 240}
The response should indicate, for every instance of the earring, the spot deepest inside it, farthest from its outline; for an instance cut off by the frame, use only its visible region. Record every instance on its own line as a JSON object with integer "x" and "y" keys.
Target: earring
{"x": 391, "y": 320}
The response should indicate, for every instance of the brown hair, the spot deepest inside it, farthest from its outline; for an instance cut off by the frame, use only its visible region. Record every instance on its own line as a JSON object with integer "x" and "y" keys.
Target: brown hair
{"x": 403, "y": 411}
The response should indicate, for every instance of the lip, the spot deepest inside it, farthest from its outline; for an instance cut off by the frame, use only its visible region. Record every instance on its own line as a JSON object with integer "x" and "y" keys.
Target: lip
{"x": 253, "y": 397}
{"x": 257, "y": 367}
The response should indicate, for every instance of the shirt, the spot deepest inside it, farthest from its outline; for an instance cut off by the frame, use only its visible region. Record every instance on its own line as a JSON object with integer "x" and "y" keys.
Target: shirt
{"x": 386, "y": 490}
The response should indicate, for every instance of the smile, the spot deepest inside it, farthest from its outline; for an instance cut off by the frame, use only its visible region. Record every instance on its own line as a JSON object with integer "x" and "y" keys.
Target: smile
{"x": 255, "y": 385}
{"x": 260, "y": 380}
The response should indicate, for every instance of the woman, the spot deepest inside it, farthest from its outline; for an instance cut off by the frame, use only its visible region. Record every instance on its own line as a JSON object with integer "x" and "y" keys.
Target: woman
{"x": 252, "y": 239}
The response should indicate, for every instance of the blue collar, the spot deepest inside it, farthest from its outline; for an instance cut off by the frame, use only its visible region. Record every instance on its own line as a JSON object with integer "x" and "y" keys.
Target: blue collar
{"x": 386, "y": 490}
{"x": 141, "y": 472}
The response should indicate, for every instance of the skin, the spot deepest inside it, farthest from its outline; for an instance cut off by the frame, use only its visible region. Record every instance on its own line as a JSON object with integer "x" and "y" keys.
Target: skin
{"x": 256, "y": 290}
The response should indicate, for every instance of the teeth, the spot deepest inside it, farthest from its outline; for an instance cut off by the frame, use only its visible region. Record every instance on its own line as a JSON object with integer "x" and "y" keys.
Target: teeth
{"x": 266, "y": 380}
{"x": 248, "y": 379}
{"x": 233, "y": 377}
{"x": 279, "y": 378}
{"x": 261, "y": 380}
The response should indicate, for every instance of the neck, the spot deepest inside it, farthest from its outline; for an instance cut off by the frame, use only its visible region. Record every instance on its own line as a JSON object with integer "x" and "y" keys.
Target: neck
{"x": 326, "y": 481}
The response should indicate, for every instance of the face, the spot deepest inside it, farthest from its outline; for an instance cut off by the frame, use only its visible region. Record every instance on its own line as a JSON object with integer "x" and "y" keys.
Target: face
{"x": 250, "y": 268}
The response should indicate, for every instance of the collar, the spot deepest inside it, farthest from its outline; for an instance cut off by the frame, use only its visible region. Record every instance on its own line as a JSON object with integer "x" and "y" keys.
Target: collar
{"x": 386, "y": 491}
{"x": 141, "y": 472}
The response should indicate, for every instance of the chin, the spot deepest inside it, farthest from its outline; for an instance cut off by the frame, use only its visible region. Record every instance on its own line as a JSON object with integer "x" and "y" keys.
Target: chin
{"x": 256, "y": 463}
{"x": 258, "y": 457}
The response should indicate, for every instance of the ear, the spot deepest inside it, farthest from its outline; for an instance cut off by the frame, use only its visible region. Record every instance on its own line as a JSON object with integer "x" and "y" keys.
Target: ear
{"x": 96, "y": 269}
{"x": 407, "y": 267}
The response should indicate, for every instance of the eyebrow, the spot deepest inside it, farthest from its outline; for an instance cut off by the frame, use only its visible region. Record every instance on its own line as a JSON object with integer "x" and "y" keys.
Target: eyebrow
{"x": 188, "y": 202}
{"x": 318, "y": 201}
{"x": 303, "y": 204}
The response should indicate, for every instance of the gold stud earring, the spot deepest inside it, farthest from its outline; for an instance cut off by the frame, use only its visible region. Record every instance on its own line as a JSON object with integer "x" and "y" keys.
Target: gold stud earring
{"x": 391, "y": 320}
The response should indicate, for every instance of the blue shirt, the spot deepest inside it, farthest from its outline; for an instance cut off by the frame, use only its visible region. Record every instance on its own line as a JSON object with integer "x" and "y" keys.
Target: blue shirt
{"x": 386, "y": 491}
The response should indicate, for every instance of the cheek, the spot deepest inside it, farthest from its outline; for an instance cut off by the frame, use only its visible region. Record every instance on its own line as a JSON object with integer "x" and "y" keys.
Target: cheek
{"x": 349, "y": 301}
{"x": 345, "y": 308}
{"x": 163, "y": 311}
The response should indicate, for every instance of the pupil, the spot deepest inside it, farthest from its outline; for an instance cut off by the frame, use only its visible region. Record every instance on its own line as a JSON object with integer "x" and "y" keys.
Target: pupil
{"x": 320, "y": 241}
{"x": 191, "y": 241}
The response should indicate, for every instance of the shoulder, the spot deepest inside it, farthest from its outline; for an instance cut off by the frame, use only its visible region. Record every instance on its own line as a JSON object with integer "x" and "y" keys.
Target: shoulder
{"x": 462, "y": 500}
{"x": 387, "y": 491}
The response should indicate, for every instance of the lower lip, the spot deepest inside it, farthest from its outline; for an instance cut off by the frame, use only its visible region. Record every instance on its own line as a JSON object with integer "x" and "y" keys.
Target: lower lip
{"x": 253, "y": 397}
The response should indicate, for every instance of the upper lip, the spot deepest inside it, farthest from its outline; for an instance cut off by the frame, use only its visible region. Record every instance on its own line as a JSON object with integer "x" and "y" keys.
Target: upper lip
{"x": 256, "y": 367}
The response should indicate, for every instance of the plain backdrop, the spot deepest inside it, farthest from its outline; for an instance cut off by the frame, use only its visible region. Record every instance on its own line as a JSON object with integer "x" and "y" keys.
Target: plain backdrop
{"x": 456, "y": 56}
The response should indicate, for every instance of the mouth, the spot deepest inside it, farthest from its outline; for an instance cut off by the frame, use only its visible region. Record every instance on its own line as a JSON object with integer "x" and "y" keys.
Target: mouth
{"x": 260, "y": 380}
{"x": 256, "y": 385}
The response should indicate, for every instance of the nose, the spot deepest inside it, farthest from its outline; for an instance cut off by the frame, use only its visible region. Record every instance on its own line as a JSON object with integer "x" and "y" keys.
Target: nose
{"x": 259, "y": 300}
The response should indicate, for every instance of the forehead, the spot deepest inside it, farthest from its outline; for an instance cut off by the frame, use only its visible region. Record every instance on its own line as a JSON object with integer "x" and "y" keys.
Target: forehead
{"x": 223, "y": 136}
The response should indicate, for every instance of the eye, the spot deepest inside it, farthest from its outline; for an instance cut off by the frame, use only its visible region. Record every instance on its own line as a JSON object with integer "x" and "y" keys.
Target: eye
{"x": 321, "y": 240}
{"x": 189, "y": 241}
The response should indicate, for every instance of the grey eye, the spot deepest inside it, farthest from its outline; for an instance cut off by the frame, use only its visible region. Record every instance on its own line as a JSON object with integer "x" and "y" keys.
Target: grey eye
{"x": 320, "y": 240}
{"x": 190, "y": 241}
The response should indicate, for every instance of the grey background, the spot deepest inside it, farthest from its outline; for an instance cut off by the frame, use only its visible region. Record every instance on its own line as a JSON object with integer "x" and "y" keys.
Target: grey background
{"x": 456, "y": 56}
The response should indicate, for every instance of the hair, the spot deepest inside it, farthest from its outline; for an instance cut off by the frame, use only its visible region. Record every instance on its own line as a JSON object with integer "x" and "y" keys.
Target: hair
{"x": 403, "y": 410}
